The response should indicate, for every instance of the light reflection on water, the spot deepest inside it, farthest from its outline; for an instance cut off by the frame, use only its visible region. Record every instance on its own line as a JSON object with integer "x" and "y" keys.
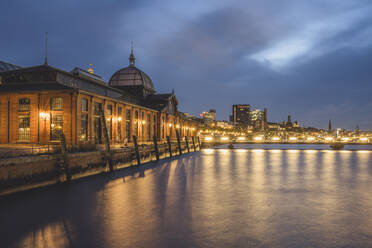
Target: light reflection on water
{"x": 215, "y": 198}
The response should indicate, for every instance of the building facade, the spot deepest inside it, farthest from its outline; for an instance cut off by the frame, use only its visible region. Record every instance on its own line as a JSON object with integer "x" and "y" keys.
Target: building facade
{"x": 39, "y": 103}
{"x": 241, "y": 115}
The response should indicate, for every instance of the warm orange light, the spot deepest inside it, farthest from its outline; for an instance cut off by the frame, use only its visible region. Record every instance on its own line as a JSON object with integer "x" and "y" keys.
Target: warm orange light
{"x": 119, "y": 119}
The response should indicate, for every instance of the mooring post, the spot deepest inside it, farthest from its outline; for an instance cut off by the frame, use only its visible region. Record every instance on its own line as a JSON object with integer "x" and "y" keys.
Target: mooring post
{"x": 187, "y": 144}
{"x": 169, "y": 146}
{"x": 199, "y": 143}
{"x": 107, "y": 141}
{"x": 156, "y": 148}
{"x": 179, "y": 142}
{"x": 66, "y": 165}
{"x": 193, "y": 142}
{"x": 136, "y": 150}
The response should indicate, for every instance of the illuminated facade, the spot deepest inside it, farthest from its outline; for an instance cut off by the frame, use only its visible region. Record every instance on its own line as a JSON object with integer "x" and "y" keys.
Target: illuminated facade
{"x": 38, "y": 103}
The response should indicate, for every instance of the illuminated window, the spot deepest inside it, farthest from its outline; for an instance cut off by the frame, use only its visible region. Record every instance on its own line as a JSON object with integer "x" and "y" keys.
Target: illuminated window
{"x": 56, "y": 103}
{"x": 84, "y": 105}
{"x": 136, "y": 123}
{"x": 97, "y": 122}
{"x": 56, "y": 126}
{"x": 119, "y": 122}
{"x": 84, "y": 127}
{"x": 127, "y": 124}
{"x": 148, "y": 127}
{"x": 24, "y": 128}
{"x": 24, "y": 104}
{"x": 154, "y": 126}
{"x": 109, "y": 109}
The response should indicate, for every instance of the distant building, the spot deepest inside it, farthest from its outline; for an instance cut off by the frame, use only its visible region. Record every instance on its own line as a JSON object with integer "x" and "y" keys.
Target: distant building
{"x": 257, "y": 119}
{"x": 241, "y": 114}
{"x": 209, "y": 116}
{"x": 224, "y": 124}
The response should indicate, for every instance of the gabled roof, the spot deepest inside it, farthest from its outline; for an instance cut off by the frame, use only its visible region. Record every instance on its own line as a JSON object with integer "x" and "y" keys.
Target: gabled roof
{"x": 4, "y": 66}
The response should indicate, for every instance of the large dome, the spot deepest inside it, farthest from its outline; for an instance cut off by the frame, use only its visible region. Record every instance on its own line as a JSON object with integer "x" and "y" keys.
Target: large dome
{"x": 131, "y": 76}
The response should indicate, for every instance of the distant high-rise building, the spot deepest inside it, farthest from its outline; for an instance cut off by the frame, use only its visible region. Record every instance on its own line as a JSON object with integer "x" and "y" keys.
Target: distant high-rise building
{"x": 329, "y": 126}
{"x": 209, "y": 116}
{"x": 241, "y": 114}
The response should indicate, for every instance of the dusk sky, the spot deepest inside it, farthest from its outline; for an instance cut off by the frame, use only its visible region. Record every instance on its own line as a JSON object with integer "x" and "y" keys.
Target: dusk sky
{"x": 312, "y": 59}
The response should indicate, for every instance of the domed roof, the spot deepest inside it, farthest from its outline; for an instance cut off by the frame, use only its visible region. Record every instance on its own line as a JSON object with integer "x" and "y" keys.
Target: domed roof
{"x": 131, "y": 76}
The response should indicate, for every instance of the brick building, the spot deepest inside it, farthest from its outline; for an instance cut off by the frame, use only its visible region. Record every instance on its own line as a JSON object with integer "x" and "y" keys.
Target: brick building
{"x": 38, "y": 103}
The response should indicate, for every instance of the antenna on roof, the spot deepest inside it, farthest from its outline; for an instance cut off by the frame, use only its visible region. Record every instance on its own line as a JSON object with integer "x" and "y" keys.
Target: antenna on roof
{"x": 46, "y": 48}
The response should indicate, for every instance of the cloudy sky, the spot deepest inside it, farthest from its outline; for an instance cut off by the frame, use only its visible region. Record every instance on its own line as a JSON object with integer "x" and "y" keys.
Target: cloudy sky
{"x": 312, "y": 59}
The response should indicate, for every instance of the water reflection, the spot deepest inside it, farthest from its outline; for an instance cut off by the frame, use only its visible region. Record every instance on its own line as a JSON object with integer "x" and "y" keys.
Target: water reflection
{"x": 215, "y": 198}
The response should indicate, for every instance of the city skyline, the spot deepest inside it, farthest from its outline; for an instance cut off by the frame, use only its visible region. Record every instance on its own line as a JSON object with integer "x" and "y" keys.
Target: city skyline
{"x": 308, "y": 59}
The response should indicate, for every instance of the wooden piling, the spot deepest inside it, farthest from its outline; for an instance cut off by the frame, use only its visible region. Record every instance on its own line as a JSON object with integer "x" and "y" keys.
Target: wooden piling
{"x": 107, "y": 141}
{"x": 187, "y": 144}
{"x": 199, "y": 143}
{"x": 169, "y": 146}
{"x": 136, "y": 150}
{"x": 179, "y": 142}
{"x": 66, "y": 165}
{"x": 193, "y": 142}
{"x": 156, "y": 148}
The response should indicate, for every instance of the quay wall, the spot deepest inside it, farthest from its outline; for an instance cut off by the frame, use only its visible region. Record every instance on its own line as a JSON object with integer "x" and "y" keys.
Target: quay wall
{"x": 27, "y": 172}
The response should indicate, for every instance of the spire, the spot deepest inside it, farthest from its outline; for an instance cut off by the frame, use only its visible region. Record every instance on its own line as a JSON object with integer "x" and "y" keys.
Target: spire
{"x": 132, "y": 59}
{"x": 46, "y": 48}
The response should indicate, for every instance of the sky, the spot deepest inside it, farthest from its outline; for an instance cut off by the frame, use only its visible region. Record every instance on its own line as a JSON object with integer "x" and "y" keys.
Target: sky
{"x": 310, "y": 59}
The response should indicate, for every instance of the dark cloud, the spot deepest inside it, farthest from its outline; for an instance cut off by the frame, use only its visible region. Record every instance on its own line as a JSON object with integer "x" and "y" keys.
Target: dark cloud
{"x": 207, "y": 51}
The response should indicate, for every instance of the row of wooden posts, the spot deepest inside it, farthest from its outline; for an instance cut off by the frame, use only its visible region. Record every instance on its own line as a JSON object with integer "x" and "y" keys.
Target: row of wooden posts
{"x": 108, "y": 157}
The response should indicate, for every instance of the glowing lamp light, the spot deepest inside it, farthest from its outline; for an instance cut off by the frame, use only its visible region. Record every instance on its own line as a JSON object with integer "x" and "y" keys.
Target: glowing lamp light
{"x": 44, "y": 116}
{"x": 170, "y": 125}
{"x": 208, "y": 138}
{"x": 193, "y": 129}
{"x": 177, "y": 126}
{"x": 241, "y": 138}
{"x": 310, "y": 139}
{"x": 275, "y": 138}
{"x": 224, "y": 138}
{"x": 292, "y": 138}
{"x": 143, "y": 122}
{"x": 258, "y": 138}
{"x": 108, "y": 119}
{"x": 345, "y": 139}
{"x": 328, "y": 138}
{"x": 363, "y": 139}
{"x": 119, "y": 118}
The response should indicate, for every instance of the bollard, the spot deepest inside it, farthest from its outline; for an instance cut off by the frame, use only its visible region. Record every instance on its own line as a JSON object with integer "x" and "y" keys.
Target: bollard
{"x": 179, "y": 142}
{"x": 136, "y": 150}
{"x": 193, "y": 142}
{"x": 187, "y": 145}
{"x": 156, "y": 148}
{"x": 169, "y": 146}
{"x": 199, "y": 143}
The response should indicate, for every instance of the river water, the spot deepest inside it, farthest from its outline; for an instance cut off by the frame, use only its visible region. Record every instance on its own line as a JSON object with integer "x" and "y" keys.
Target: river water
{"x": 259, "y": 197}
